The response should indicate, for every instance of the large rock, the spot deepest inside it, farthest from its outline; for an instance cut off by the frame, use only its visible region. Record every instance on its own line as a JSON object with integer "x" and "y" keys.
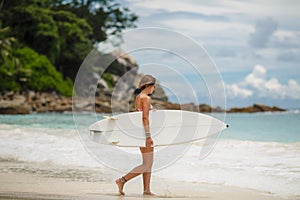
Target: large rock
{"x": 205, "y": 108}
{"x": 62, "y": 108}
{"x": 14, "y": 107}
{"x": 256, "y": 108}
{"x": 264, "y": 108}
{"x": 124, "y": 59}
{"x": 159, "y": 93}
{"x": 102, "y": 107}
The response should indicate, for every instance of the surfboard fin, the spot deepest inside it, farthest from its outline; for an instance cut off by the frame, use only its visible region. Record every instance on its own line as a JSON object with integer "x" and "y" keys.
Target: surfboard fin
{"x": 110, "y": 117}
{"x": 114, "y": 143}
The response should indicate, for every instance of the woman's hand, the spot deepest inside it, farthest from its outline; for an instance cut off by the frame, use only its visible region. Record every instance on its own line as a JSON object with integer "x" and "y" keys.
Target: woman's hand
{"x": 149, "y": 142}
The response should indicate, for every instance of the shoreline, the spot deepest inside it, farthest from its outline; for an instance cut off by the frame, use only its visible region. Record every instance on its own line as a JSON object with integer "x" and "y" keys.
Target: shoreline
{"x": 16, "y": 185}
{"x": 42, "y": 102}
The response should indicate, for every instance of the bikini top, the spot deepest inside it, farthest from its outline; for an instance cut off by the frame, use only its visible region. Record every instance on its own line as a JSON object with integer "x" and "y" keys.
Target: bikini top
{"x": 140, "y": 109}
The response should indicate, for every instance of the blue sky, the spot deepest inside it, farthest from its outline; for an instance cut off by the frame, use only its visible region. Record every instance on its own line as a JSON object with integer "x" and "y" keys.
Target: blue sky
{"x": 255, "y": 44}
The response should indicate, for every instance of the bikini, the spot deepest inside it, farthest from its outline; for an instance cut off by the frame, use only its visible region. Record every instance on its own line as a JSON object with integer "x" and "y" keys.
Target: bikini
{"x": 141, "y": 109}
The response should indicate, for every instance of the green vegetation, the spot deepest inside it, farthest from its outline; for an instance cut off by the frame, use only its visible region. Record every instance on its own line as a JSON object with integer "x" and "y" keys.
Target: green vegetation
{"x": 40, "y": 75}
{"x": 108, "y": 79}
{"x": 43, "y": 42}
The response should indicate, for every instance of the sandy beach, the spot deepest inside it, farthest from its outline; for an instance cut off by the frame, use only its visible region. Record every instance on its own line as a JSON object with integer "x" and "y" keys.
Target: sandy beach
{"x": 29, "y": 186}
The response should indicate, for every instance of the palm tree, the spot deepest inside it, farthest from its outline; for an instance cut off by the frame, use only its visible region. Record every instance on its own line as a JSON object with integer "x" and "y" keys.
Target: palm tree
{"x": 6, "y": 49}
{"x": 11, "y": 70}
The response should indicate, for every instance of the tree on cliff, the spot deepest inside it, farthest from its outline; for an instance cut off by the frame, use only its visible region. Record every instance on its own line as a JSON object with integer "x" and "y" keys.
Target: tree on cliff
{"x": 8, "y": 62}
{"x": 63, "y": 31}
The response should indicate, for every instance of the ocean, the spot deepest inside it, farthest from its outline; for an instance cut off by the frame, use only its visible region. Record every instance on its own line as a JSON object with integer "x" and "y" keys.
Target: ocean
{"x": 259, "y": 151}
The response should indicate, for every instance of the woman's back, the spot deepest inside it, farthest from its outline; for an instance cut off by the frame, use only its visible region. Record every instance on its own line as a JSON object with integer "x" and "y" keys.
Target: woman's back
{"x": 139, "y": 101}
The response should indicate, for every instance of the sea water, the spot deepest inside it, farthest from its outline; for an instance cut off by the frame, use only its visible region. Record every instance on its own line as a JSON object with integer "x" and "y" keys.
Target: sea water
{"x": 258, "y": 151}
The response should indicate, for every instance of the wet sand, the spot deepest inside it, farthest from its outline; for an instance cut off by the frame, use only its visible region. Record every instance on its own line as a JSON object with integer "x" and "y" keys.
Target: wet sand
{"x": 16, "y": 185}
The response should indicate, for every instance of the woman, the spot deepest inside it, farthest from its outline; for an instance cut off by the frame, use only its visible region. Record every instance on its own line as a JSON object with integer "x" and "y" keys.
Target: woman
{"x": 142, "y": 103}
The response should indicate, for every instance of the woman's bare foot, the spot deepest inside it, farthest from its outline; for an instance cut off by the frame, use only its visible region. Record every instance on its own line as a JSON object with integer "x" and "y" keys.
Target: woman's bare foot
{"x": 120, "y": 184}
{"x": 148, "y": 193}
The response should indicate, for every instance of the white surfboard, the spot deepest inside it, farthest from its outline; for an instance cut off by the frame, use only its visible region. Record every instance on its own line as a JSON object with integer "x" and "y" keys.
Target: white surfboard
{"x": 167, "y": 127}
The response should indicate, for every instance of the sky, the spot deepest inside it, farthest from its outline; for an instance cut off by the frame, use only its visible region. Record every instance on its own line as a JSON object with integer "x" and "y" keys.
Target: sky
{"x": 254, "y": 44}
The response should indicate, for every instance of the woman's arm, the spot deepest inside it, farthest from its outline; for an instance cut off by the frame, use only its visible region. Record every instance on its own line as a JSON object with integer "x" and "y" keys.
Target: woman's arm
{"x": 146, "y": 103}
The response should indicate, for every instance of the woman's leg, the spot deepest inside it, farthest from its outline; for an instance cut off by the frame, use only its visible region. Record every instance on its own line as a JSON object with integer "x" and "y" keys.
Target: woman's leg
{"x": 147, "y": 153}
{"x": 147, "y": 157}
{"x": 146, "y": 182}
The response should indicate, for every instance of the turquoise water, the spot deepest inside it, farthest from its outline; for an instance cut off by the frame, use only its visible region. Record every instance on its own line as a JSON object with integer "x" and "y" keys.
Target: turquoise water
{"x": 272, "y": 127}
{"x": 267, "y": 127}
{"x": 50, "y": 120}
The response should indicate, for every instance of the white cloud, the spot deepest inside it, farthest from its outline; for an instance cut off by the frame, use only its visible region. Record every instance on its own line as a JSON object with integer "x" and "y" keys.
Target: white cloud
{"x": 256, "y": 78}
{"x": 293, "y": 89}
{"x": 258, "y": 85}
{"x": 173, "y": 6}
{"x": 275, "y": 89}
{"x": 236, "y": 91}
{"x": 284, "y": 39}
{"x": 203, "y": 21}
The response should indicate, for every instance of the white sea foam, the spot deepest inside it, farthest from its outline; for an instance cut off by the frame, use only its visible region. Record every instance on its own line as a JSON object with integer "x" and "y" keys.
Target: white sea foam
{"x": 270, "y": 167}
{"x": 57, "y": 146}
{"x": 267, "y": 166}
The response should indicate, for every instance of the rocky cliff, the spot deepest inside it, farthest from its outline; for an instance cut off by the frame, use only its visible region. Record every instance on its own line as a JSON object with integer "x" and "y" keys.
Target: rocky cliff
{"x": 115, "y": 86}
